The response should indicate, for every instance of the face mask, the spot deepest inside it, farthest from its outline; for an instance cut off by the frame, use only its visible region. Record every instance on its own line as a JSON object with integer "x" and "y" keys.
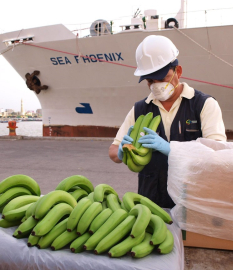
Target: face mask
{"x": 163, "y": 90}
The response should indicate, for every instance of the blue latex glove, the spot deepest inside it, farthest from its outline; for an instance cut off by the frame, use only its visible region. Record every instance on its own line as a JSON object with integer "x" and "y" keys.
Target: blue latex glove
{"x": 126, "y": 140}
{"x": 153, "y": 141}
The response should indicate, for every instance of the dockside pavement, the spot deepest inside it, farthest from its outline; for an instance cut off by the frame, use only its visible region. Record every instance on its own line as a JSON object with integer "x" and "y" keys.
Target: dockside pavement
{"x": 51, "y": 159}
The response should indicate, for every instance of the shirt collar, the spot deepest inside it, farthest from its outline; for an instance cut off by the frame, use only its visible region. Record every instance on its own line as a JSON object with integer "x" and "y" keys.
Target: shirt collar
{"x": 188, "y": 92}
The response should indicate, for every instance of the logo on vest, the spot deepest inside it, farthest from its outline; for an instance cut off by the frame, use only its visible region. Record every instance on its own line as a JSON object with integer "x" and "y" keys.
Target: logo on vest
{"x": 189, "y": 122}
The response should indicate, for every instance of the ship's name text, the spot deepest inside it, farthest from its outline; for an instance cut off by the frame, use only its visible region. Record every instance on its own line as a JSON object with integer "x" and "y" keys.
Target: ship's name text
{"x": 92, "y": 58}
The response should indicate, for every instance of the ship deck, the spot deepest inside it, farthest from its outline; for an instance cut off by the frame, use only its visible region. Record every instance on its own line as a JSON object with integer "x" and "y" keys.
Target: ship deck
{"x": 50, "y": 160}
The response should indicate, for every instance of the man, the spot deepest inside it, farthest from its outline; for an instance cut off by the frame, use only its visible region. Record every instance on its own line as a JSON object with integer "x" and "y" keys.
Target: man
{"x": 186, "y": 114}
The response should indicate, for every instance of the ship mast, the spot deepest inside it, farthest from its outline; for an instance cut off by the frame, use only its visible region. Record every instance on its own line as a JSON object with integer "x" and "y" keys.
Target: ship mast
{"x": 182, "y": 14}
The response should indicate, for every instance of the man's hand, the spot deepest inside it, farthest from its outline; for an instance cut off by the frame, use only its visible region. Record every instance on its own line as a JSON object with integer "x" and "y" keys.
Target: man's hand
{"x": 155, "y": 142}
{"x": 126, "y": 140}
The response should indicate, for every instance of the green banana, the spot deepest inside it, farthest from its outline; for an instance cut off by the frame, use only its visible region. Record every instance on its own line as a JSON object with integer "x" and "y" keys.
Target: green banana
{"x": 134, "y": 132}
{"x": 143, "y": 249}
{"x": 125, "y": 246}
{"x": 77, "y": 212}
{"x": 155, "y": 123}
{"x": 19, "y": 236}
{"x": 167, "y": 245}
{"x": 104, "y": 205}
{"x": 143, "y": 215}
{"x": 7, "y": 224}
{"x": 52, "y": 198}
{"x": 149, "y": 229}
{"x": 91, "y": 196}
{"x": 113, "y": 202}
{"x": 145, "y": 123}
{"x": 33, "y": 240}
{"x": 159, "y": 230}
{"x": 19, "y": 202}
{"x": 63, "y": 239}
{"x": 139, "y": 160}
{"x": 99, "y": 220}
{"x": 73, "y": 189}
{"x": 111, "y": 223}
{"x": 13, "y": 193}
{"x": 143, "y": 151}
{"x": 92, "y": 211}
{"x": 130, "y": 199}
{"x": 115, "y": 235}
{"x": 16, "y": 214}
{"x": 78, "y": 194}
{"x": 76, "y": 180}
{"x": 20, "y": 180}
{"x": 16, "y": 235}
{"x": 156, "y": 210}
{"x": 101, "y": 190}
{"x": 123, "y": 206}
{"x": 51, "y": 219}
{"x": 46, "y": 240}
{"x": 27, "y": 225}
{"x": 77, "y": 245}
{"x": 24, "y": 218}
{"x": 31, "y": 209}
{"x": 132, "y": 166}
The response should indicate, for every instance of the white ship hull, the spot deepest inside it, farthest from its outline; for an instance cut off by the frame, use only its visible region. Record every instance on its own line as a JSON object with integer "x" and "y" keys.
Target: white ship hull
{"x": 111, "y": 90}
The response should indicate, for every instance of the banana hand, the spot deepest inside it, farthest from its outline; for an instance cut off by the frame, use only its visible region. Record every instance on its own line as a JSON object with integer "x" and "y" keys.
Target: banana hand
{"x": 155, "y": 142}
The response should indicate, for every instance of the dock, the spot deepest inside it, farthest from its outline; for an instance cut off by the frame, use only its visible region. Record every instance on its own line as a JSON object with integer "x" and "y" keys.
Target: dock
{"x": 51, "y": 159}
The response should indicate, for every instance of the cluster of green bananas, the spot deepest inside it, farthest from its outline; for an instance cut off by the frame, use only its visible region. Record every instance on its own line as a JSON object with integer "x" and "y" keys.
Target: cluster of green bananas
{"x": 17, "y": 193}
{"x": 88, "y": 218}
{"x": 135, "y": 155}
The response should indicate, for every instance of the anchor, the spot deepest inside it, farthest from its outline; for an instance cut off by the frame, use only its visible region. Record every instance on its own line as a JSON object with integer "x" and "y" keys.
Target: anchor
{"x": 33, "y": 83}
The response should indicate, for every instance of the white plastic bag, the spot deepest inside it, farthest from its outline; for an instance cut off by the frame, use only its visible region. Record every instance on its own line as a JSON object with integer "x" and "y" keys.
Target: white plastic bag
{"x": 15, "y": 254}
{"x": 200, "y": 179}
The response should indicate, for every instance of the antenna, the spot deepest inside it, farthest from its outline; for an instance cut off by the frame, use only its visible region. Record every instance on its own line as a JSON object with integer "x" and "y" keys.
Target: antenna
{"x": 136, "y": 13}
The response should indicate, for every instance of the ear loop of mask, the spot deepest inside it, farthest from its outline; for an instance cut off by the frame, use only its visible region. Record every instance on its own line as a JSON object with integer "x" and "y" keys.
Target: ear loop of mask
{"x": 170, "y": 82}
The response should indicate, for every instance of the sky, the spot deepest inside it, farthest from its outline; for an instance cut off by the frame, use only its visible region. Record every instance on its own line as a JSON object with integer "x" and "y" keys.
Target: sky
{"x": 23, "y": 14}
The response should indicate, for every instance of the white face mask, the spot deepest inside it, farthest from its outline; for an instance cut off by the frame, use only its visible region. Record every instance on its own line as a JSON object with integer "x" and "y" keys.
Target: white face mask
{"x": 163, "y": 90}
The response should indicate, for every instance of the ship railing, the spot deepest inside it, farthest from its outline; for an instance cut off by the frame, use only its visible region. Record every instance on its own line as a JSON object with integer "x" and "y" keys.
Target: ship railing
{"x": 190, "y": 19}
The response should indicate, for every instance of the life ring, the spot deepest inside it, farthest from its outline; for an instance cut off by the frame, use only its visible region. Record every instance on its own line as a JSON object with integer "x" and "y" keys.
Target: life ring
{"x": 168, "y": 21}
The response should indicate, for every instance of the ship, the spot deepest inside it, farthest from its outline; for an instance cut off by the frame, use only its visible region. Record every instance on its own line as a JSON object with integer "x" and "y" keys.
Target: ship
{"x": 86, "y": 84}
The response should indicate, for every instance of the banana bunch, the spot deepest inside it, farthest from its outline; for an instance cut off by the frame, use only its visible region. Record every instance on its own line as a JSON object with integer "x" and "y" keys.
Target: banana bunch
{"x": 135, "y": 155}
{"x": 15, "y": 186}
{"x": 86, "y": 214}
{"x": 16, "y": 209}
{"x": 120, "y": 231}
{"x": 73, "y": 182}
{"x": 88, "y": 218}
{"x": 36, "y": 216}
{"x": 42, "y": 215}
{"x": 65, "y": 213}
{"x": 131, "y": 235}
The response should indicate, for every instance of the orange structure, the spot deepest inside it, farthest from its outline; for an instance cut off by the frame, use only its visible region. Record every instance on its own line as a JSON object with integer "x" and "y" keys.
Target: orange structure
{"x": 12, "y": 127}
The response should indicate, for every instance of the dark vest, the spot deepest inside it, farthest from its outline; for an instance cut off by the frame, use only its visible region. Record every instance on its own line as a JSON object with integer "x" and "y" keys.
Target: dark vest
{"x": 186, "y": 126}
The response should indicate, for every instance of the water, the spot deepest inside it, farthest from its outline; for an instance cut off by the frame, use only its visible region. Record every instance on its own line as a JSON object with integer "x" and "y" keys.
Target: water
{"x": 34, "y": 128}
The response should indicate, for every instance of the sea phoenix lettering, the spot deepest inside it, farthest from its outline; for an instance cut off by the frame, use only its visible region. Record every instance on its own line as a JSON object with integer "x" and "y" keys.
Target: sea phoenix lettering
{"x": 86, "y": 59}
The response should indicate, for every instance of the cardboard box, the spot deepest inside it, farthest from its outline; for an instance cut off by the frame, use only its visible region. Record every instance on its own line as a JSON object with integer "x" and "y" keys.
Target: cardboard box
{"x": 191, "y": 239}
{"x": 210, "y": 226}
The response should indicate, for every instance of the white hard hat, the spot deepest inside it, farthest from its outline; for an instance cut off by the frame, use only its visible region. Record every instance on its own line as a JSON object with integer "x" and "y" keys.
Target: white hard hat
{"x": 154, "y": 53}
